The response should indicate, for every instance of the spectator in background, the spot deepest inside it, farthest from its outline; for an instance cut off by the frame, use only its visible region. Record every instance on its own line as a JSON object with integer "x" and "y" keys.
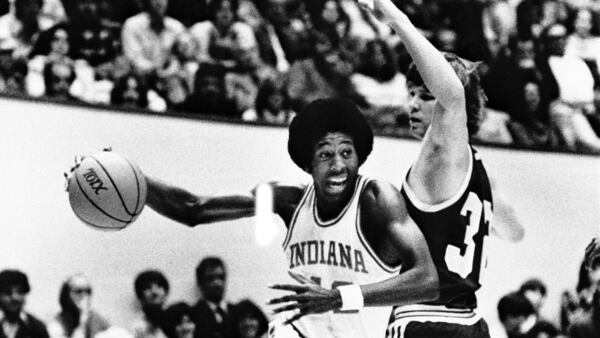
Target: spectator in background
{"x": 241, "y": 90}
{"x": 209, "y": 96}
{"x": 223, "y": 39}
{"x": 535, "y": 291}
{"x": 211, "y": 314}
{"x": 583, "y": 40}
{"x": 282, "y": 37}
{"x": 14, "y": 77}
{"x": 573, "y": 84}
{"x": 151, "y": 289}
{"x": 516, "y": 314}
{"x": 272, "y": 104}
{"x": 52, "y": 45}
{"x": 184, "y": 55}
{"x": 148, "y": 37}
{"x": 178, "y": 322}
{"x": 14, "y": 321}
{"x": 58, "y": 77}
{"x": 588, "y": 325}
{"x": 329, "y": 18}
{"x": 76, "y": 319}
{"x": 129, "y": 91}
{"x": 325, "y": 74}
{"x": 378, "y": 80}
{"x": 93, "y": 37}
{"x": 247, "y": 321}
{"x": 19, "y": 28}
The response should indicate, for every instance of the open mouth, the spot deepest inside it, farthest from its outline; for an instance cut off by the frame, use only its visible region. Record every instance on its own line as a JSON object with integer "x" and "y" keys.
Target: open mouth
{"x": 337, "y": 182}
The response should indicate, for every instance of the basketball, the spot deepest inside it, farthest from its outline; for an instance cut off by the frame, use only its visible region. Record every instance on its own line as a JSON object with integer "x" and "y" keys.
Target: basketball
{"x": 107, "y": 191}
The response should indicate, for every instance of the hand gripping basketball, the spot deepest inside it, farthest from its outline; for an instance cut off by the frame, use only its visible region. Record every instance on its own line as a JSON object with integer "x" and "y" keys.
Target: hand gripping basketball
{"x": 106, "y": 191}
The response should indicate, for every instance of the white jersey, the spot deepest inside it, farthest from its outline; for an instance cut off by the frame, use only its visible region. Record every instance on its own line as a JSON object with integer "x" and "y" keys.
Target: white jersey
{"x": 335, "y": 253}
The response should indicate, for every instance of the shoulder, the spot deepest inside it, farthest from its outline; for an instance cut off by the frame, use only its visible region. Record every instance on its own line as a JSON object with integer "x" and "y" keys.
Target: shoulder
{"x": 379, "y": 196}
{"x": 136, "y": 20}
{"x": 36, "y": 325}
{"x": 174, "y": 24}
{"x": 201, "y": 27}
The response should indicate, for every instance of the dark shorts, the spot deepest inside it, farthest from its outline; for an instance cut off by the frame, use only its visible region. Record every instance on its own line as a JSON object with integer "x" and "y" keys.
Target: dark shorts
{"x": 415, "y": 329}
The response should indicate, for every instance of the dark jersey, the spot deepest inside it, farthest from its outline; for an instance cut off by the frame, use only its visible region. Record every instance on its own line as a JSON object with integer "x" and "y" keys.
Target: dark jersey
{"x": 455, "y": 231}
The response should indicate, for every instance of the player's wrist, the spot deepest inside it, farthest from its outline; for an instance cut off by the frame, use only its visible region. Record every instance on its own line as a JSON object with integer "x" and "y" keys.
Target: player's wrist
{"x": 351, "y": 297}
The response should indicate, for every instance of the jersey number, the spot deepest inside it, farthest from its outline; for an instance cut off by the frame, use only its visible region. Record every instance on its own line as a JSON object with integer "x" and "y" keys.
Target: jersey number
{"x": 470, "y": 257}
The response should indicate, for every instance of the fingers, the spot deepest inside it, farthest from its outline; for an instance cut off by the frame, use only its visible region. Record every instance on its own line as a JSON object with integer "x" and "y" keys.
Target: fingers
{"x": 289, "y": 307}
{"x": 295, "y": 317}
{"x": 299, "y": 278}
{"x": 290, "y": 287}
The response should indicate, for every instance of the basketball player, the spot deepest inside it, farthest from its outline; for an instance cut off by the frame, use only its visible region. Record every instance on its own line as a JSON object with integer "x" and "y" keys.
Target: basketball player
{"x": 350, "y": 242}
{"x": 447, "y": 190}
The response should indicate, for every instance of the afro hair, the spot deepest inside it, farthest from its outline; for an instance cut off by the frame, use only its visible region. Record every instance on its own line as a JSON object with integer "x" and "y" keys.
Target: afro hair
{"x": 323, "y": 116}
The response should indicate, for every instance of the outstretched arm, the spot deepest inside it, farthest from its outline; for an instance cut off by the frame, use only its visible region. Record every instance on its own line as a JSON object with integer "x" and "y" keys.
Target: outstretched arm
{"x": 384, "y": 209}
{"x": 184, "y": 207}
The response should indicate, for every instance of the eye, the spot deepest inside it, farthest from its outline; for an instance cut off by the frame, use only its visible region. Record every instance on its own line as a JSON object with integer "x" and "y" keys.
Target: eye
{"x": 324, "y": 154}
{"x": 427, "y": 96}
{"x": 346, "y": 153}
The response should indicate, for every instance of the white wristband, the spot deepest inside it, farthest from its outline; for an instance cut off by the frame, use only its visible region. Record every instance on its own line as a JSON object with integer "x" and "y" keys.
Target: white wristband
{"x": 352, "y": 297}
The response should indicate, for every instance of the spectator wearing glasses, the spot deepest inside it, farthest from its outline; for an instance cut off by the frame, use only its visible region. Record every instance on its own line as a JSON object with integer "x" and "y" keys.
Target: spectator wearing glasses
{"x": 76, "y": 319}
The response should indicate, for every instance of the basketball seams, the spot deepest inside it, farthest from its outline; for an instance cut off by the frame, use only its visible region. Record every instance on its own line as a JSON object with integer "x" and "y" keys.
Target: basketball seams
{"x": 116, "y": 188}
{"x": 95, "y": 205}
{"x": 137, "y": 182}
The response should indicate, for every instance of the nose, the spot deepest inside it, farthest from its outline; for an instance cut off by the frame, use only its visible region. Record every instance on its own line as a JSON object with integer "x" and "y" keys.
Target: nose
{"x": 414, "y": 104}
{"x": 337, "y": 164}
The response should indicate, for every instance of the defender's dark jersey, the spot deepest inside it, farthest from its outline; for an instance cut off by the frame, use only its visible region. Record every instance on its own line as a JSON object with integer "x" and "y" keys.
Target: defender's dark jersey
{"x": 456, "y": 231}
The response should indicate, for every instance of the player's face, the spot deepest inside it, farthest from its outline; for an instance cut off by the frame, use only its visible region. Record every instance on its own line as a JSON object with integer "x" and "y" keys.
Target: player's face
{"x": 12, "y": 300}
{"x": 334, "y": 167}
{"x": 420, "y": 109}
{"x": 154, "y": 294}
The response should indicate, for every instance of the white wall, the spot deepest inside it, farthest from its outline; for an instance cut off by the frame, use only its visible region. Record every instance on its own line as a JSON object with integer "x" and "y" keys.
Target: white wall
{"x": 556, "y": 195}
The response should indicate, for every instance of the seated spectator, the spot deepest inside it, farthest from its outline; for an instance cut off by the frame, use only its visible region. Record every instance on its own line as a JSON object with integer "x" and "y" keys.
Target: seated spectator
{"x": 209, "y": 96}
{"x": 516, "y": 315}
{"x": 588, "y": 325}
{"x": 241, "y": 91}
{"x": 14, "y": 77}
{"x": 529, "y": 123}
{"x": 19, "y": 28}
{"x": 247, "y": 321}
{"x": 535, "y": 291}
{"x": 14, "y": 320}
{"x": 223, "y": 38}
{"x": 148, "y": 37}
{"x": 51, "y": 45}
{"x": 92, "y": 37}
{"x": 184, "y": 55}
{"x": 129, "y": 91}
{"x": 378, "y": 80}
{"x": 325, "y": 74}
{"x": 58, "y": 78}
{"x": 329, "y": 18}
{"x": 151, "y": 289}
{"x": 178, "y": 321}
{"x": 272, "y": 104}
{"x": 574, "y": 98}
{"x": 282, "y": 37}
{"x": 583, "y": 40}
{"x": 77, "y": 319}
{"x": 52, "y": 13}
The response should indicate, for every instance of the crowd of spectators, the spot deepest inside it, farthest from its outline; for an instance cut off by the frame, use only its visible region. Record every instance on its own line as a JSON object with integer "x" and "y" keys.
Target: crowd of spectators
{"x": 210, "y": 317}
{"x": 519, "y": 311}
{"x": 262, "y": 60}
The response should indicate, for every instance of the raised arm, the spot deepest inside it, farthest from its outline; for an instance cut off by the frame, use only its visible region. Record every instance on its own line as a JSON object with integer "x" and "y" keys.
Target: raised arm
{"x": 506, "y": 225}
{"x": 445, "y": 156}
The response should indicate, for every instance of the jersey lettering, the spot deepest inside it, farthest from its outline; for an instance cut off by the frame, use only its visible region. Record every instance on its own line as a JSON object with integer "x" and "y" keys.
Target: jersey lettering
{"x": 468, "y": 258}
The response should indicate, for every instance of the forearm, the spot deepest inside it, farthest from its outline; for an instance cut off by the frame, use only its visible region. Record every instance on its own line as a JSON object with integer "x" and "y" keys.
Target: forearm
{"x": 184, "y": 207}
{"x": 410, "y": 287}
{"x": 437, "y": 74}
